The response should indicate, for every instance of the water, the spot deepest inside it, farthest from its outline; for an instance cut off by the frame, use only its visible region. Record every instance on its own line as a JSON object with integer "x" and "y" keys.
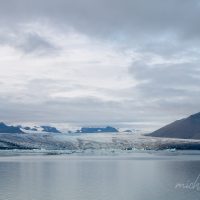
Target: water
{"x": 135, "y": 176}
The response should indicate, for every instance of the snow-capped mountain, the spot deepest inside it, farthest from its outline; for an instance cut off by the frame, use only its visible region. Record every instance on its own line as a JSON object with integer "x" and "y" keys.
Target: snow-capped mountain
{"x": 39, "y": 129}
{"x": 97, "y": 130}
{"x": 9, "y": 129}
{"x": 52, "y": 129}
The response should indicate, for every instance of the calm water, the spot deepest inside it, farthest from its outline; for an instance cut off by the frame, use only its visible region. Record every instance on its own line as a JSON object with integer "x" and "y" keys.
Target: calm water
{"x": 123, "y": 177}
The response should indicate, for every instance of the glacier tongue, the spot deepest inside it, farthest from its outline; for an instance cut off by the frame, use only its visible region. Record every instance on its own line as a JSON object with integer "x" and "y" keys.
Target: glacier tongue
{"x": 84, "y": 142}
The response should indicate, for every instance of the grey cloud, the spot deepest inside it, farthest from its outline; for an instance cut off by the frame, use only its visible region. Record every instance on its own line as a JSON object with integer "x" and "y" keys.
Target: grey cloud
{"x": 158, "y": 100}
{"x": 28, "y": 42}
{"x": 63, "y": 110}
{"x": 34, "y": 105}
{"x": 33, "y": 43}
{"x": 167, "y": 74}
{"x": 77, "y": 110}
{"x": 105, "y": 17}
{"x": 169, "y": 29}
{"x": 172, "y": 88}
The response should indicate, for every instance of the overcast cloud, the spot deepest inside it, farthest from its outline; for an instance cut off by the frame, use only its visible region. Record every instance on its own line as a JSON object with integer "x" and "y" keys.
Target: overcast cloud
{"x": 130, "y": 62}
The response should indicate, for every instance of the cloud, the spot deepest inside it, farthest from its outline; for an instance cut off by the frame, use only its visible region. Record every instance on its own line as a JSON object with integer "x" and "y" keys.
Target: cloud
{"x": 30, "y": 42}
{"x": 131, "y": 61}
{"x": 167, "y": 28}
{"x": 171, "y": 88}
{"x": 34, "y": 43}
{"x": 103, "y": 17}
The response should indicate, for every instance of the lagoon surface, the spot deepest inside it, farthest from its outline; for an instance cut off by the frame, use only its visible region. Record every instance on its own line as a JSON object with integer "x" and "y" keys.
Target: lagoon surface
{"x": 133, "y": 176}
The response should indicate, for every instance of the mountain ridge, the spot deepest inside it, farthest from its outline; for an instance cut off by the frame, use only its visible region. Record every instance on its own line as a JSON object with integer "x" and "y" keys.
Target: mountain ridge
{"x": 51, "y": 129}
{"x": 9, "y": 129}
{"x": 186, "y": 128}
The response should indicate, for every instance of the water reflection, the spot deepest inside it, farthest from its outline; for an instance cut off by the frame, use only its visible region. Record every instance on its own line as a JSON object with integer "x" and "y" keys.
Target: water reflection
{"x": 47, "y": 178}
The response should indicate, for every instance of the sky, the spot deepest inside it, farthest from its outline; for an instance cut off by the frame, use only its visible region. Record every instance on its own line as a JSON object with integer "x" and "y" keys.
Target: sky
{"x": 131, "y": 63}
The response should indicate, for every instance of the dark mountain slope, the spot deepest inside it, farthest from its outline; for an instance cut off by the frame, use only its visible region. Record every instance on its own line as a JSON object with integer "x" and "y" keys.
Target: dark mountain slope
{"x": 188, "y": 128}
{"x": 9, "y": 129}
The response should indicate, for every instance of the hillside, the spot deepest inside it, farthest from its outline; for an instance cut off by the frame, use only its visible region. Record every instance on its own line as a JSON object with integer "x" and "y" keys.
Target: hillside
{"x": 9, "y": 129}
{"x": 188, "y": 128}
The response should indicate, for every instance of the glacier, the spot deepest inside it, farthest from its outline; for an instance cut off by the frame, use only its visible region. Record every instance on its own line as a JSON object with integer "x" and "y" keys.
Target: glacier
{"x": 70, "y": 143}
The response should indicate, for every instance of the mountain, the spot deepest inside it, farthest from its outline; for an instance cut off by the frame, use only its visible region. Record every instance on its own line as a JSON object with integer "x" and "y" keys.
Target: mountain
{"x": 97, "y": 130}
{"x": 188, "y": 128}
{"x": 50, "y": 129}
{"x": 29, "y": 128}
{"x": 9, "y": 129}
{"x": 39, "y": 129}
